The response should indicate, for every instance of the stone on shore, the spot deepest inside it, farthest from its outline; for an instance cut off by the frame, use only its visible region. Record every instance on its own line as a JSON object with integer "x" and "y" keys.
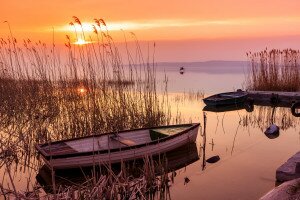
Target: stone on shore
{"x": 290, "y": 169}
{"x": 286, "y": 191}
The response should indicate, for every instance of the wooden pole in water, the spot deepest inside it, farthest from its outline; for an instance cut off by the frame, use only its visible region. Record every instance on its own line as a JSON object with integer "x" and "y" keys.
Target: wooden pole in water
{"x": 204, "y": 140}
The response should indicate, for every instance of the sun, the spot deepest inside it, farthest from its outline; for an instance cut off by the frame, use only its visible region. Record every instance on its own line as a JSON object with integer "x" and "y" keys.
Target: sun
{"x": 81, "y": 90}
{"x": 81, "y": 41}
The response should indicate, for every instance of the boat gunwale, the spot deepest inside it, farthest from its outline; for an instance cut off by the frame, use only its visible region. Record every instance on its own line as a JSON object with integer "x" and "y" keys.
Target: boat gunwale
{"x": 224, "y": 108}
{"x": 48, "y": 156}
{"x": 210, "y": 98}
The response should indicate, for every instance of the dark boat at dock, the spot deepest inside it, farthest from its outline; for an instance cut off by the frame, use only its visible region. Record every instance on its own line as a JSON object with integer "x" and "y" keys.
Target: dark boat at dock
{"x": 228, "y": 98}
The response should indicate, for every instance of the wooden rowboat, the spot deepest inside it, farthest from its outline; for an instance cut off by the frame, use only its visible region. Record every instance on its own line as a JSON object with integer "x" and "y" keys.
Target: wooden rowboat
{"x": 171, "y": 161}
{"x": 228, "y": 98}
{"x": 116, "y": 147}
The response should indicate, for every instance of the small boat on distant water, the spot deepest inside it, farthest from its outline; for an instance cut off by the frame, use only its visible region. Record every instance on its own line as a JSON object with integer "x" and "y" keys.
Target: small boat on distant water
{"x": 181, "y": 70}
{"x": 228, "y": 98}
{"x": 116, "y": 147}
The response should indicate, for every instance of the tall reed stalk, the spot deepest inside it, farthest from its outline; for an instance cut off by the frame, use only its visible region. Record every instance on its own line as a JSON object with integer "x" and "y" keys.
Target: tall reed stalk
{"x": 92, "y": 92}
{"x": 274, "y": 70}
{"x": 47, "y": 96}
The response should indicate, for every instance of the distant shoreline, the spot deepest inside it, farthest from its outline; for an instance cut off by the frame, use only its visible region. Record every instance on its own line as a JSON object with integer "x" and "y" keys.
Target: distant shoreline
{"x": 205, "y": 63}
{"x": 211, "y": 63}
{"x": 209, "y": 67}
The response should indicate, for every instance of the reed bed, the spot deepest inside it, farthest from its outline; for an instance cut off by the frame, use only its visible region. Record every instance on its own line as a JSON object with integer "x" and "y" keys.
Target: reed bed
{"x": 91, "y": 93}
{"x": 89, "y": 90}
{"x": 274, "y": 70}
{"x": 151, "y": 181}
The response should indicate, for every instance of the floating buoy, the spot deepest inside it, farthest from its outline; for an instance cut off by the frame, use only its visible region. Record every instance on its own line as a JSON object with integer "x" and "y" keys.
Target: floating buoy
{"x": 294, "y": 107}
{"x": 213, "y": 159}
{"x": 272, "y": 131}
{"x": 186, "y": 180}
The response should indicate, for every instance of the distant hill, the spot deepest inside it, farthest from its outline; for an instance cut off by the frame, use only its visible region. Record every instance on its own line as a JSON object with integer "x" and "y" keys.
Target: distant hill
{"x": 211, "y": 67}
{"x": 213, "y": 63}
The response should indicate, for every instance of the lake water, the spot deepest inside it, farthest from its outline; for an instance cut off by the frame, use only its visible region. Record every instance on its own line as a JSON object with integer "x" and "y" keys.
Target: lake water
{"x": 248, "y": 159}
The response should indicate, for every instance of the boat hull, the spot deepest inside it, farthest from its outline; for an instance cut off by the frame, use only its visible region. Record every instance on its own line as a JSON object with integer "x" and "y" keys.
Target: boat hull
{"x": 171, "y": 161}
{"x": 223, "y": 99}
{"x": 124, "y": 155}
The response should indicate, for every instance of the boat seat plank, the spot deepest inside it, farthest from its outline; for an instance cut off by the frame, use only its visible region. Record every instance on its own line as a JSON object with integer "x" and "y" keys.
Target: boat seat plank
{"x": 59, "y": 149}
{"x": 123, "y": 140}
{"x": 170, "y": 131}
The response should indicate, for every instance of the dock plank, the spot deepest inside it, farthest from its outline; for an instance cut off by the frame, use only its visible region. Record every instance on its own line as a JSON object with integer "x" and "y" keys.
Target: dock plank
{"x": 265, "y": 96}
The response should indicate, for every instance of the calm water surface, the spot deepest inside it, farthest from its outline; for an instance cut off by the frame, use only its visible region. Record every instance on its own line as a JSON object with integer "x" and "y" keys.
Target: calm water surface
{"x": 249, "y": 159}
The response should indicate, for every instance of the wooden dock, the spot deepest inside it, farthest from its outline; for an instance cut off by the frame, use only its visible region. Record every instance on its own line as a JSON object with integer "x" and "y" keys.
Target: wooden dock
{"x": 286, "y": 99}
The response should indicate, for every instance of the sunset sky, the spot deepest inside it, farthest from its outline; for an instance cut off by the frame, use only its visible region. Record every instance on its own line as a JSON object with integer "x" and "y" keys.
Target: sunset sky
{"x": 191, "y": 30}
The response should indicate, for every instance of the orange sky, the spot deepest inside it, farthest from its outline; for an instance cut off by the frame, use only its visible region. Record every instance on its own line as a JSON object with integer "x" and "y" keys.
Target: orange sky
{"x": 180, "y": 28}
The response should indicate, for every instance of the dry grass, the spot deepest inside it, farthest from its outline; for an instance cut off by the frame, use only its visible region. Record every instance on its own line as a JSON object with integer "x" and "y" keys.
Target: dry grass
{"x": 47, "y": 97}
{"x": 92, "y": 92}
{"x": 152, "y": 181}
{"x": 274, "y": 70}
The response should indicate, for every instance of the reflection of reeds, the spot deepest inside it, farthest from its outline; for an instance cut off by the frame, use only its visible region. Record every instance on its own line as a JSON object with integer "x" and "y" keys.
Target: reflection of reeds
{"x": 274, "y": 70}
{"x": 203, "y": 146}
{"x": 262, "y": 117}
{"x": 151, "y": 180}
{"x": 189, "y": 96}
{"x": 45, "y": 97}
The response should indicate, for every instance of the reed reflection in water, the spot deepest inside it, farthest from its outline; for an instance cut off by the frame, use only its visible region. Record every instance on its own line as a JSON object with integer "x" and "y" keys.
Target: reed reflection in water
{"x": 264, "y": 116}
{"x": 249, "y": 158}
{"x": 154, "y": 178}
{"x": 132, "y": 176}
